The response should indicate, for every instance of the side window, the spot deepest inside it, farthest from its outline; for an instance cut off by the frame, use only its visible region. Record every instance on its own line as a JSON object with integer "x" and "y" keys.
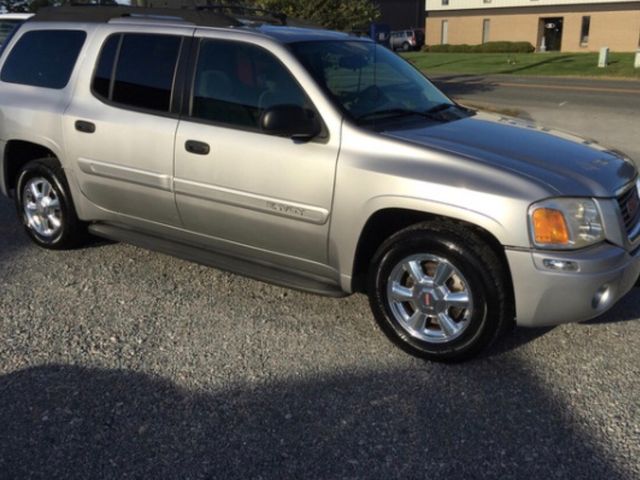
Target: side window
{"x": 144, "y": 70}
{"x": 236, "y": 82}
{"x": 104, "y": 69}
{"x": 43, "y": 58}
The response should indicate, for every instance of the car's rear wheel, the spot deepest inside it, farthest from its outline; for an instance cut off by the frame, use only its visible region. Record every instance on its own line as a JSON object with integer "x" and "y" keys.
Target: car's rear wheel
{"x": 44, "y": 205}
{"x": 439, "y": 291}
{"x": 406, "y": 47}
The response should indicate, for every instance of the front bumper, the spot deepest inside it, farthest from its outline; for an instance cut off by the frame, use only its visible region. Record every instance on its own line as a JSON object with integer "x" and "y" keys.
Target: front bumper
{"x": 604, "y": 274}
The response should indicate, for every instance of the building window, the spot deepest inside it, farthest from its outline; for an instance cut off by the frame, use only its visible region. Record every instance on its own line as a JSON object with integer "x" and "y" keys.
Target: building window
{"x": 445, "y": 2}
{"x": 486, "y": 27}
{"x": 444, "y": 37}
{"x": 584, "y": 31}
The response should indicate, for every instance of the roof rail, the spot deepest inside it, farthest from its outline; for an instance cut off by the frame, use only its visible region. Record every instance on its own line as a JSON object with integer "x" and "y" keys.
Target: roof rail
{"x": 100, "y": 13}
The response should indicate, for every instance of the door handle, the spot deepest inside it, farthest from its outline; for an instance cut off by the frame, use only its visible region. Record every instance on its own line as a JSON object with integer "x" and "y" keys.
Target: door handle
{"x": 197, "y": 148}
{"x": 85, "y": 127}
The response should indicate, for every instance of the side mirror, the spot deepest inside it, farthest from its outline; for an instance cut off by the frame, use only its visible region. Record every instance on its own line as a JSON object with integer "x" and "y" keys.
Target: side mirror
{"x": 291, "y": 121}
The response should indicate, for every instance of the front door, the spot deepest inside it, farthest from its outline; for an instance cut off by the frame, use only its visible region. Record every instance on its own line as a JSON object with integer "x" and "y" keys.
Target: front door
{"x": 551, "y": 34}
{"x": 266, "y": 194}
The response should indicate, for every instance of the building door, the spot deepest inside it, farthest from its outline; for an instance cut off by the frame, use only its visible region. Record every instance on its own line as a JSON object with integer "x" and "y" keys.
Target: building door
{"x": 551, "y": 39}
{"x": 444, "y": 39}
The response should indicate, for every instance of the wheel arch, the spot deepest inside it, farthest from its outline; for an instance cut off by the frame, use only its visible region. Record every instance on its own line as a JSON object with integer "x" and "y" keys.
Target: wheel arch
{"x": 385, "y": 222}
{"x": 18, "y": 153}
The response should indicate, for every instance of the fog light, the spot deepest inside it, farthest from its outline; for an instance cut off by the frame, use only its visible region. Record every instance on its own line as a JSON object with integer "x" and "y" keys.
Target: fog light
{"x": 560, "y": 265}
{"x": 602, "y": 298}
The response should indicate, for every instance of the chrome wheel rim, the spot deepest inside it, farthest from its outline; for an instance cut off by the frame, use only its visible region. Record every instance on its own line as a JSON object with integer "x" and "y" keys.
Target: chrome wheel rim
{"x": 430, "y": 298}
{"x": 41, "y": 206}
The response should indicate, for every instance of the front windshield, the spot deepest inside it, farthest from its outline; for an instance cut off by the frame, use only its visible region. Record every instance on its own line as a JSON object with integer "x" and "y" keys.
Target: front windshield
{"x": 367, "y": 80}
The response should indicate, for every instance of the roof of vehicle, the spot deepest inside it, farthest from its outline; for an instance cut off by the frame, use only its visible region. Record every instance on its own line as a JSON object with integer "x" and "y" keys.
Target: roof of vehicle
{"x": 273, "y": 25}
{"x": 15, "y": 16}
{"x": 299, "y": 34}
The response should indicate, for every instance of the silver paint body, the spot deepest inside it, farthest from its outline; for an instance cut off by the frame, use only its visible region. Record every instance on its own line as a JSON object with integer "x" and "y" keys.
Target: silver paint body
{"x": 303, "y": 206}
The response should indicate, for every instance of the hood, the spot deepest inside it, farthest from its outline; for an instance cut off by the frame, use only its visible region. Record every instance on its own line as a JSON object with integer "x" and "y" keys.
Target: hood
{"x": 564, "y": 163}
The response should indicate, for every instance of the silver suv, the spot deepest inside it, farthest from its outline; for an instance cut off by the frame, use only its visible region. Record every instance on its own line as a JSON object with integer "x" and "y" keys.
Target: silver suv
{"x": 314, "y": 160}
{"x": 407, "y": 40}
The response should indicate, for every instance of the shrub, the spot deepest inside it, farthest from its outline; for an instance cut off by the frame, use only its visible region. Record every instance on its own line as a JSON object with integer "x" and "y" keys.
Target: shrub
{"x": 489, "y": 47}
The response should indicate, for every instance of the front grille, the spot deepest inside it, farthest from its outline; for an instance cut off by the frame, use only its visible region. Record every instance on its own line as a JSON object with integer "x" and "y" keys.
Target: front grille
{"x": 629, "y": 203}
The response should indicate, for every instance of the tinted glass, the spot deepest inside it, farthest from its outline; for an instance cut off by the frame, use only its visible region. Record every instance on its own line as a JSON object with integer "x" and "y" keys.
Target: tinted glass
{"x": 6, "y": 27}
{"x": 104, "y": 69}
{"x": 43, "y": 58}
{"x": 364, "y": 78}
{"x": 145, "y": 71}
{"x": 236, "y": 82}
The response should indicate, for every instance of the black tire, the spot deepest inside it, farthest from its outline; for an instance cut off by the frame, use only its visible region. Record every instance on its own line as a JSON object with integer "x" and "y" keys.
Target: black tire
{"x": 484, "y": 279}
{"x": 406, "y": 47}
{"x": 72, "y": 232}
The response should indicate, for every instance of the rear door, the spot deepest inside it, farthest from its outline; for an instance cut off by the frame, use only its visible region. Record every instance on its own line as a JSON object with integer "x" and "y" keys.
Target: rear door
{"x": 120, "y": 128}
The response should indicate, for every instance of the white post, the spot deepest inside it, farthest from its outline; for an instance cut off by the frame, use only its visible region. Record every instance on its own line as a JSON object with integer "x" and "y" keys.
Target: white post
{"x": 637, "y": 62}
{"x": 603, "y": 60}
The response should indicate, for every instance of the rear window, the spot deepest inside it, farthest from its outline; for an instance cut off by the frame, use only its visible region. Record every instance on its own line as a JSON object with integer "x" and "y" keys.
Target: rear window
{"x": 144, "y": 70}
{"x": 43, "y": 58}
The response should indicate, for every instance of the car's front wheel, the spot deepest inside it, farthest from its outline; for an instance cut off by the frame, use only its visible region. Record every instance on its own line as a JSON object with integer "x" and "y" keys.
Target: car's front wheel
{"x": 44, "y": 205}
{"x": 439, "y": 291}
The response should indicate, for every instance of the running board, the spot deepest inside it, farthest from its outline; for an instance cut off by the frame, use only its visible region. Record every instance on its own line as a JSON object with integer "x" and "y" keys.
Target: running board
{"x": 257, "y": 271}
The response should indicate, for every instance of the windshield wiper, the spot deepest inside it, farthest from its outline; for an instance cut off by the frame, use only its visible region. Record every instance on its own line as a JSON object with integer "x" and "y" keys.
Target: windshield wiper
{"x": 395, "y": 112}
{"x": 441, "y": 107}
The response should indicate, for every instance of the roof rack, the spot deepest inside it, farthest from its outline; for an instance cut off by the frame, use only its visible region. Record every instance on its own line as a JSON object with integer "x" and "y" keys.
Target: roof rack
{"x": 198, "y": 12}
{"x": 104, "y": 14}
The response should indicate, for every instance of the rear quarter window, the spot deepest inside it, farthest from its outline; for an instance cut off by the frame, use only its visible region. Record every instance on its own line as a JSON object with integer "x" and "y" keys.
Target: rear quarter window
{"x": 43, "y": 58}
{"x": 6, "y": 27}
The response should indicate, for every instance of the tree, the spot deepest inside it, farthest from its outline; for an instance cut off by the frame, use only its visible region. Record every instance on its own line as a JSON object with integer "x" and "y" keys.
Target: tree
{"x": 333, "y": 14}
{"x": 14, "y": 6}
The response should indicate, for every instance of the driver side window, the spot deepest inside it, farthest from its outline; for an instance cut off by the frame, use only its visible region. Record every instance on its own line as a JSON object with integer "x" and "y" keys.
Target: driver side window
{"x": 236, "y": 82}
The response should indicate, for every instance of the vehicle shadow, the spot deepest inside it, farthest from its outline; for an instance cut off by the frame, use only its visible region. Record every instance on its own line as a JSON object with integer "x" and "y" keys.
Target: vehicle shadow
{"x": 548, "y": 60}
{"x": 515, "y": 339}
{"x": 460, "y": 85}
{"x": 481, "y": 420}
{"x": 12, "y": 238}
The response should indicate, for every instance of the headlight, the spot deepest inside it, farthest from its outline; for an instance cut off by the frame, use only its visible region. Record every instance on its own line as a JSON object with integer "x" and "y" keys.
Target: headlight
{"x": 565, "y": 223}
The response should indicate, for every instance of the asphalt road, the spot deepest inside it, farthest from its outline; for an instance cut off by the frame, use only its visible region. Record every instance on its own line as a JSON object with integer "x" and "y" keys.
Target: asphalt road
{"x": 604, "y": 110}
{"x": 120, "y": 363}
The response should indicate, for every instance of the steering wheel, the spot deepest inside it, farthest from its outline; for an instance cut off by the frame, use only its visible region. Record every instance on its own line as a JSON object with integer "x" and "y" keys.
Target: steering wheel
{"x": 371, "y": 98}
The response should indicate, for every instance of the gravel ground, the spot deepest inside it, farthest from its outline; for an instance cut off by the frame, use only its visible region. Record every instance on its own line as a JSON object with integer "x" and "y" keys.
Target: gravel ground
{"x": 122, "y": 363}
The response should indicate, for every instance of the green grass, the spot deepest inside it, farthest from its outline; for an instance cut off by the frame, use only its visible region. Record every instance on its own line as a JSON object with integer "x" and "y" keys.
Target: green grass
{"x": 555, "y": 64}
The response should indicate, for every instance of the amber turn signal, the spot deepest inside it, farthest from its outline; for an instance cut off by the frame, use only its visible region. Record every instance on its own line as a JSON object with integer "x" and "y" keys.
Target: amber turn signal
{"x": 550, "y": 227}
